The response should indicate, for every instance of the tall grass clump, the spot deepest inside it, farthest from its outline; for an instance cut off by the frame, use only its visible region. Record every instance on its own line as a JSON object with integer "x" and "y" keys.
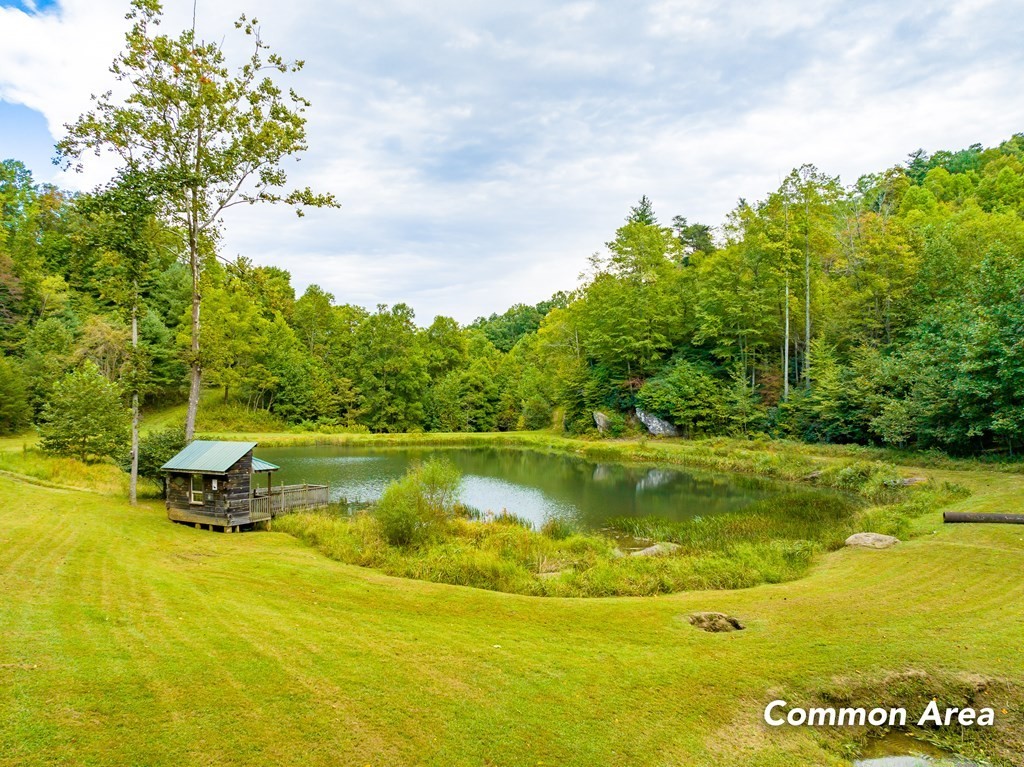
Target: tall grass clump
{"x": 419, "y": 529}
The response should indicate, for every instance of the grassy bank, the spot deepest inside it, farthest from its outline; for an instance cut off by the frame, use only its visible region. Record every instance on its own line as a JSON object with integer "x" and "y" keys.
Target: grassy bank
{"x": 130, "y": 640}
{"x": 774, "y": 540}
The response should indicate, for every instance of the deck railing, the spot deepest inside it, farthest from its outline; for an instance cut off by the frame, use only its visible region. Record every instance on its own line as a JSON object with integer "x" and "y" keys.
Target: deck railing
{"x": 286, "y": 498}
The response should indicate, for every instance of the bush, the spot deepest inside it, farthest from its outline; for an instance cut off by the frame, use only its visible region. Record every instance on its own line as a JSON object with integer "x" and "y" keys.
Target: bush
{"x": 85, "y": 416}
{"x": 688, "y": 395}
{"x": 156, "y": 449}
{"x": 413, "y": 509}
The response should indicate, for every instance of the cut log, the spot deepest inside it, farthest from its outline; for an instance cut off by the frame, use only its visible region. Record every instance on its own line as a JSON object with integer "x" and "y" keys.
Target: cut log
{"x": 981, "y": 516}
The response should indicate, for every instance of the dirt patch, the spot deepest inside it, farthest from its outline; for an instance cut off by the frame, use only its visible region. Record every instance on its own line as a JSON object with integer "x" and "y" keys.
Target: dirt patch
{"x": 715, "y": 623}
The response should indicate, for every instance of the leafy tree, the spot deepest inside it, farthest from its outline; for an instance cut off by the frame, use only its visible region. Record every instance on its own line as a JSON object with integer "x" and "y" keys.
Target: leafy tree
{"x": 390, "y": 370}
{"x": 214, "y": 138}
{"x": 313, "y": 319}
{"x": 642, "y": 213}
{"x": 47, "y": 357}
{"x": 85, "y": 416}
{"x": 14, "y": 407}
{"x": 155, "y": 449}
{"x": 688, "y": 395}
{"x": 447, "y": 348}
{"x": 505, "y": 330}
{"x": 694, "y": 238}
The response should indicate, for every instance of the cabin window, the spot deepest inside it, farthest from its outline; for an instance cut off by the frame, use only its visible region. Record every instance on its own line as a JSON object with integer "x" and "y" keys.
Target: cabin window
{"x": 196, "y": 496}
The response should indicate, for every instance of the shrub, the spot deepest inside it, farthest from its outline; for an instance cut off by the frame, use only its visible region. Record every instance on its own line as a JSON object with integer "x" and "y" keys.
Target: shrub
{"x": 85, "y": 416}
{"x": 411, "y": 510}
{"x": 688, "y": 395}
{"x": 156, "y": 449}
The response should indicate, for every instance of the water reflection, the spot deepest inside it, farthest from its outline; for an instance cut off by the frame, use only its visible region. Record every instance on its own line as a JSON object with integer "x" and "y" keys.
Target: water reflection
{"x": 530, "y": 484}
{"x": 897, "y": 749}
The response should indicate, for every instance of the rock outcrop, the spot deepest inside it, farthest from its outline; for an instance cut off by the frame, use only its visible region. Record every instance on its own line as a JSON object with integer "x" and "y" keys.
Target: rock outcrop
{"x": 872, "y": 541}
{"x": 659, "y": 427}
{"x": 657, "y": 550}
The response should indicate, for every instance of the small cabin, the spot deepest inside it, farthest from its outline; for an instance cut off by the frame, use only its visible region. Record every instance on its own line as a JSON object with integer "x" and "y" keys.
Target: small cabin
{"x": 221, "y": 484}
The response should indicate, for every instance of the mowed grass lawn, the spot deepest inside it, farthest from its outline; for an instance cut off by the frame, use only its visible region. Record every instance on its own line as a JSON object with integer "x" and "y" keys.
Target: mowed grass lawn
{"x": 128, "y": 640}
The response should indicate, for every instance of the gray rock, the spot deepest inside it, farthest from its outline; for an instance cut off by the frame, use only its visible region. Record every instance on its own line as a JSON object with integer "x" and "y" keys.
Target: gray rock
{"x": 715, "y": 622}
{"x": 657, "y": 550}
{"x": 872, "y": 541}
{"x": 655, "y": 478}
{"x": 551, "y": 575}
{"x": 601, "y": 421}
{"x": 659, "y": 427}
{"x": 908, "y": 481}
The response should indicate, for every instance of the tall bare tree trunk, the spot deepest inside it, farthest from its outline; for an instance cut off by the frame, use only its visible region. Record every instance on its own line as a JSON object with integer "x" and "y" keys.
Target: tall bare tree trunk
{"x": 196, "y": 370}
{"x": 807, "y": 292}
{"x": 133, "y": 483}
{"x": 785, "y": 350}
{"x": 807, "y": 310}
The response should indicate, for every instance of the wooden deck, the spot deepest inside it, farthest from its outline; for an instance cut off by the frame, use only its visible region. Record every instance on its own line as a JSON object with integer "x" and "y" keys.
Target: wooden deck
{"x": 261, "y": 507}
{"x": 286, "y": 498}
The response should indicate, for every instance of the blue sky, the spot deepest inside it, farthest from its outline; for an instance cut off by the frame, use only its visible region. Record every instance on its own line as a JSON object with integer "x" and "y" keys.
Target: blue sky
{"x": 483, "y": 151}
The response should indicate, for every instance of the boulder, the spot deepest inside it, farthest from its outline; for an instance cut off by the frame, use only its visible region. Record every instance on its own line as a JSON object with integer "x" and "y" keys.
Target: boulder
{"x": 908, "y": 481}
{"x": 601, "y": 421}
{"x": 872, "y": 541}
{"x": 716, "y": 623}
{"x": 657, "y": 550}
{"x": 659, "y": 427}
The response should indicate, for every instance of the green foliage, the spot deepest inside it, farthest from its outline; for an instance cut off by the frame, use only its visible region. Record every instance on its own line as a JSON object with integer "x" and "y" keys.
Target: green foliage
{"x": 15, "y": 411}
{"x": 688, "y": 395}
{"x": 155, "y": 449}
{"x": 414, "y": 509}
{"x": 85, "y": 416}
{"x": 557, "y": 529}
{"x": 770, "y": 542}
{"x": 886, "y": 313}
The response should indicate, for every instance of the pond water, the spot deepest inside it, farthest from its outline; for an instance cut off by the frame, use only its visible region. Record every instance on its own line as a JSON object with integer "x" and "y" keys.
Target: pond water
{"x": 530, "y": 484}
{"x": 899, "y": 750}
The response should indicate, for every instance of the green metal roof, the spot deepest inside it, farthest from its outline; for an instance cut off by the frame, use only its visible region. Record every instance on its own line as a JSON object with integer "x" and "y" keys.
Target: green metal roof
{"x": 208, "y": 456}
{"x": 258, "y": 464}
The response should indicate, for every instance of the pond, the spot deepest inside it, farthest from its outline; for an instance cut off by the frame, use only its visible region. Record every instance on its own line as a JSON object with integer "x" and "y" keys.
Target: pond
{"x": 530, "y": 484}
{"x": 897, "y": 749}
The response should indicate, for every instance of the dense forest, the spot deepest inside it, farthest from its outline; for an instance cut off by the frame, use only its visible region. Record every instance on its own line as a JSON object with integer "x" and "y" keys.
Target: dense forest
{"x": 889, "y": 312}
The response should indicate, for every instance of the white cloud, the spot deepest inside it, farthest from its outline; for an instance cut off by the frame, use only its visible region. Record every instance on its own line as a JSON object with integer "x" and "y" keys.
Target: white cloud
{"x": 483, "y": 151}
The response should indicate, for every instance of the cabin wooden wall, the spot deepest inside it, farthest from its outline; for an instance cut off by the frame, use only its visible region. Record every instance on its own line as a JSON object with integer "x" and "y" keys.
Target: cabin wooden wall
{"x": 231, "y": 495}
{"x": 177, "y": 491}
{"x": 233, "y": 487}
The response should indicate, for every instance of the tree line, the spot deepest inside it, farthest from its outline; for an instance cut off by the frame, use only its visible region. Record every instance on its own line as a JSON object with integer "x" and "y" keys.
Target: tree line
{"x": 888, "y": 312}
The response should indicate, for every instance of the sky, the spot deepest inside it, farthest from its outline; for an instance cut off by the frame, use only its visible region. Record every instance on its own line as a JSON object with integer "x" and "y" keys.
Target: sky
{"x": 483, "y": 151}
